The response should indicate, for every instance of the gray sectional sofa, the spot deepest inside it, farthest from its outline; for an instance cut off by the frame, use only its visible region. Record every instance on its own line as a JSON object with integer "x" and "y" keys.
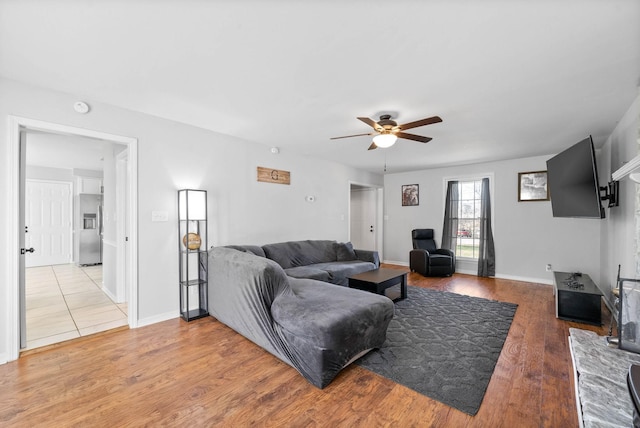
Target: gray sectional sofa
{"x": 327, "y": 261}
{"x": 316, "y": 327}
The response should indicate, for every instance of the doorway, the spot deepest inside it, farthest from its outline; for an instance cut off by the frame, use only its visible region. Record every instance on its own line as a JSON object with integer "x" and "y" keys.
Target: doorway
{"x": 15, "y": 304}
{"x": 69, "y": 282}
{"x": 365, "y": 217}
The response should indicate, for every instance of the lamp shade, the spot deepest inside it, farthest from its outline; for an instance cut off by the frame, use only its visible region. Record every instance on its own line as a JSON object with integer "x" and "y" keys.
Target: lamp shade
{"x": 192, "y": 204}
{"x": 385, "y": 140}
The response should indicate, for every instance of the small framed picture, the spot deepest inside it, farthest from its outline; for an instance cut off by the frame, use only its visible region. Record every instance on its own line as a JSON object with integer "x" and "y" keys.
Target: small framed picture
{"x": 532, "y": 186}
{"x": 410, "y": 195}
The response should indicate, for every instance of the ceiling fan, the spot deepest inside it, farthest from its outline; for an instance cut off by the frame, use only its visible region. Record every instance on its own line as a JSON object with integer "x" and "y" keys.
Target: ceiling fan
{"x": 388, "y": 131}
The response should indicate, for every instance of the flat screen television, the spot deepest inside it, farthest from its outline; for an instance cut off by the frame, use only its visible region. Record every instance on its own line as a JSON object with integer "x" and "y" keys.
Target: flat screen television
{"x": 572, "y": 177}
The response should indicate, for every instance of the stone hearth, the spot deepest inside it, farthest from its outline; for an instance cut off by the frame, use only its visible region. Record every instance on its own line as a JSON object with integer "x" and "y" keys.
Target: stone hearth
{"x": 601, "y": 380}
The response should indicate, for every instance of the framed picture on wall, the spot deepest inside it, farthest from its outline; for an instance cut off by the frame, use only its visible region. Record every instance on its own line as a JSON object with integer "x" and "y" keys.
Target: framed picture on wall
{"x": 532, "y": 186}
{"x": 410, "y": 195}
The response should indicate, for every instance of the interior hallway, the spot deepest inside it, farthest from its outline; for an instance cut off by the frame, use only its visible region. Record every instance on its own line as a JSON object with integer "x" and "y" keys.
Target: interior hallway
{"x": 65, "y": 302}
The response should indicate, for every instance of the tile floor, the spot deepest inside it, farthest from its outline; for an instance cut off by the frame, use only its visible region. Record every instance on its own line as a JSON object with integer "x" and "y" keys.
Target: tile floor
{"x": 65, "y": 302}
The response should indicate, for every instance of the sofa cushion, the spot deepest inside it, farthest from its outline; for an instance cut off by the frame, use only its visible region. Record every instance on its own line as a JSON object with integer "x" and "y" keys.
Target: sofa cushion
{"x": 308, "y": 272}
{"x": 339, "y": 272}
{"x": 300, "y": 253}
{"x": 345, "y": 251}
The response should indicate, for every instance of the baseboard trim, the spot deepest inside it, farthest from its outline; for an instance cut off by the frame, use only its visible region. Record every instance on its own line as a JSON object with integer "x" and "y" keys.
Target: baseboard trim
{"x": 498, "y": 275}
{"x": 157, "y": 318}
{"x": 4, "y": 359}
{"x": 525, "y": 279}
{"x": 394, "y": 262}
{"x": 106, "y": 291}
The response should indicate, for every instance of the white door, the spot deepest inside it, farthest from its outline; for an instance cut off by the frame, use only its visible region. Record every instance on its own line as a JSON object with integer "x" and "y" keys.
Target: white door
{"x": 364, "y": 219}
{"x": 48, "y": 222}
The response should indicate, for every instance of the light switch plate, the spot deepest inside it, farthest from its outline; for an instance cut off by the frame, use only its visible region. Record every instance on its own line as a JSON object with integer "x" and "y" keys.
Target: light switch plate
{"x": 159, "y": 216}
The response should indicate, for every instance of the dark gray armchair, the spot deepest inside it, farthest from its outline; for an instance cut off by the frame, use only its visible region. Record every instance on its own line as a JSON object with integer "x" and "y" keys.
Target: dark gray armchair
{"x": 427, "y": 259}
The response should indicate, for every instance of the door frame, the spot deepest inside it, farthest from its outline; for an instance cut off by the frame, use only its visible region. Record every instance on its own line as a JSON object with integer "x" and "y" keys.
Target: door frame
{"x": 123, "y": 176}
{"x": 16, "y": 126}
{"x": 379, "y": 214}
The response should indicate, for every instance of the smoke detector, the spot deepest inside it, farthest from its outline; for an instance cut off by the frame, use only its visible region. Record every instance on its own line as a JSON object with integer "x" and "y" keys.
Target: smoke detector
{"x": 81, "y": 107}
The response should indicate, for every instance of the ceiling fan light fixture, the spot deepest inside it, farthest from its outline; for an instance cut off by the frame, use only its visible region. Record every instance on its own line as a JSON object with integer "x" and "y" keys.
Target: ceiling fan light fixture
{"x": 385, "y": 140}
{"x": 389, "y": 131}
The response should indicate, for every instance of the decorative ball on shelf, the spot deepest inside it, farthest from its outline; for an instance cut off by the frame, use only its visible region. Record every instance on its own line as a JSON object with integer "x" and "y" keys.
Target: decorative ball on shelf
{"x": 192, "y": 241}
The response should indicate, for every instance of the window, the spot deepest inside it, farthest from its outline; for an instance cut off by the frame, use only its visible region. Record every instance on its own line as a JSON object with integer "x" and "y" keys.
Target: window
{"x": 467, "y": 222}
{"x": 469, "y": 203}
{"x": 465, "y": 209}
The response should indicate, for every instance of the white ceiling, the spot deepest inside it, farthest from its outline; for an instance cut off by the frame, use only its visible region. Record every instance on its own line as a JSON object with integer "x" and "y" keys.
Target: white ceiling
{"x": 510, "y": 78}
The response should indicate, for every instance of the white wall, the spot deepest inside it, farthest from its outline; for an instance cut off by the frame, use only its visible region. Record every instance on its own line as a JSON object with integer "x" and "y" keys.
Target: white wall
{"x": 174, "y": 156}
{"x": 46, "y": 173}
{"x": 526, "y": 235}
{"x": 622, "y": 229}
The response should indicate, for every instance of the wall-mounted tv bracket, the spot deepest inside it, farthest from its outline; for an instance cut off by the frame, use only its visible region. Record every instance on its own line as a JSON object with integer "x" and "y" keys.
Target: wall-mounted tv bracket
{"x": 610, "y": 193}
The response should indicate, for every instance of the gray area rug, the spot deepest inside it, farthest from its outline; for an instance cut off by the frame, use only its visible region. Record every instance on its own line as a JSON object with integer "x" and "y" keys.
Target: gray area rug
{"x": 443, "y": 345}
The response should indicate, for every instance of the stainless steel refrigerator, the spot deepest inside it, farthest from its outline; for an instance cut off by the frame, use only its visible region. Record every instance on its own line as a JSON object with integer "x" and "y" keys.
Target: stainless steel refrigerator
{"x": 89, "y": 229}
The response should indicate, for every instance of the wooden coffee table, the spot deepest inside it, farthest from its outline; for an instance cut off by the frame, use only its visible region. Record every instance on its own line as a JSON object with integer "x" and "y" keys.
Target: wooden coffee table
{"x": 377, "y": 281}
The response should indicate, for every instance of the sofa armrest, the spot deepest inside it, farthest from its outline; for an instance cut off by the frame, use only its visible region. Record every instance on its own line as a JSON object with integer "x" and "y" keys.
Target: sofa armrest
{"x": 419, "y": 261}
{"x": 449, "y": 253}
{"x": 368, "y": 256}
{"x": 445, "y": 252}
{"x": 421, "y": 251}
{"x": 241, "y": 290}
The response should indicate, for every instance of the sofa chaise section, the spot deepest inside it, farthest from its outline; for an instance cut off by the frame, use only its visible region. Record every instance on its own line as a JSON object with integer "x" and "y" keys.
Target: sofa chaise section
{"x": 316, "y": 327}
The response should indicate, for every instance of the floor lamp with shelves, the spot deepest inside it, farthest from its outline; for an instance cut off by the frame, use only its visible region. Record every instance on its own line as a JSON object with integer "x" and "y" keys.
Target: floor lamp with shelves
{"x": 192, "y": 243}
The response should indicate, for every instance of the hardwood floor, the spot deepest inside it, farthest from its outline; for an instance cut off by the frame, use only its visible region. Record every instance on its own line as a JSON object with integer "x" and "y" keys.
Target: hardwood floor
{"x": 204, "y": 374}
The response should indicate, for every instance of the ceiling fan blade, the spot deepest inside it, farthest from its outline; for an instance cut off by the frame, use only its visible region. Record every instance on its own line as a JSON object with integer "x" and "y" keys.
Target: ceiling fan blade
{"x": 349, "y": 136}
{"x": 372, "y": 146}
{"x": 423, "y": 122}
{"x": 370, "y": 122}
{"x": 413, "y": 137}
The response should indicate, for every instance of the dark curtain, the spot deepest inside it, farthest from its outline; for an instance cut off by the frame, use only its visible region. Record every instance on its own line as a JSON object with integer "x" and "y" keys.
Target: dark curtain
{"x": 450, "y": 227}
{"x": 486, "y": 254}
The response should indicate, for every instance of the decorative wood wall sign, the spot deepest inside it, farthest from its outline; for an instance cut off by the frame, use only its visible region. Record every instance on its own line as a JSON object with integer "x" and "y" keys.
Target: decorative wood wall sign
{"x": 269, "y": 175}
